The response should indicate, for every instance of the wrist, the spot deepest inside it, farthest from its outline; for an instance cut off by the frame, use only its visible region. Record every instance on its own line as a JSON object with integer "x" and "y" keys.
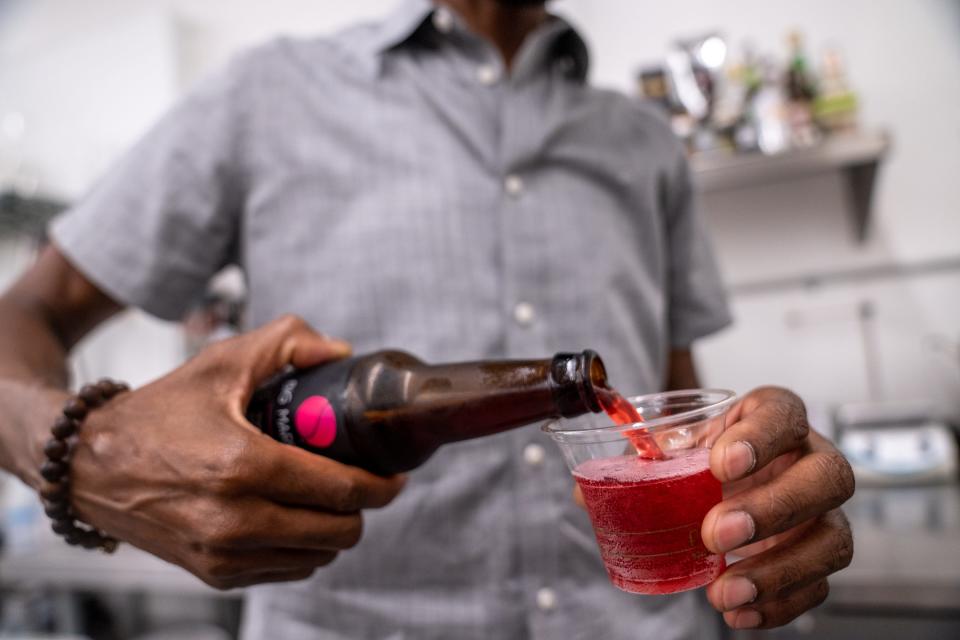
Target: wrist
{"x": 56, "y": 488}
{"x": 29, "y": 410}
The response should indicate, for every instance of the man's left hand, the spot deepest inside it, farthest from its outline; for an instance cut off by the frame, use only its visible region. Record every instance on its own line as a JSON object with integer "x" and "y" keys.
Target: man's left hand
{"x": 783, "y": 484}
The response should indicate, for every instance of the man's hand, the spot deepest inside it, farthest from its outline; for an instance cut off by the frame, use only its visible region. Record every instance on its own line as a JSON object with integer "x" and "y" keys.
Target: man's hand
{"x": 783, "y": 485}
{"x": 175, "y": 469}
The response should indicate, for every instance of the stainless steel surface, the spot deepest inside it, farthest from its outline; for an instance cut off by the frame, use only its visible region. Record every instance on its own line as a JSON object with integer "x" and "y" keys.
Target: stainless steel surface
{"x": 922, "y": 452}
{"x": 55, "y": 565}
{"x": 907, "y": 551}
{"x": 904, "y": 582}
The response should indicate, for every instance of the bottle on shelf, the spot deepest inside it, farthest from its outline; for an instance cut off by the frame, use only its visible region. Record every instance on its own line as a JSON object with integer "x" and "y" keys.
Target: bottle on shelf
{"x": 835, "y": 108}
{"x": 801, "y": 93}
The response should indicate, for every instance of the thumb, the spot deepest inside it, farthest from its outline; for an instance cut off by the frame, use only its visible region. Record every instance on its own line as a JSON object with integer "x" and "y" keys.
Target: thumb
{"x": 288, "y": 340}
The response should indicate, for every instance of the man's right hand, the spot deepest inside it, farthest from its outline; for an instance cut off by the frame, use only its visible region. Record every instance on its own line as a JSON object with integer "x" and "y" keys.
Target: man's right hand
{"x": 175, "y": 469}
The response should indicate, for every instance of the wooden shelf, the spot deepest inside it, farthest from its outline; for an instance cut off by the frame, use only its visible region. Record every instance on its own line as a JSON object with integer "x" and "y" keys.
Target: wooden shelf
{"x": 857, "y": 155}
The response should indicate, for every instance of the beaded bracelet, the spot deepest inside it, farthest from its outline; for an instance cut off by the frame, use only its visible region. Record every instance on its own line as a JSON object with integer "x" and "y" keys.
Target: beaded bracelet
{"x": 56, "y": 468}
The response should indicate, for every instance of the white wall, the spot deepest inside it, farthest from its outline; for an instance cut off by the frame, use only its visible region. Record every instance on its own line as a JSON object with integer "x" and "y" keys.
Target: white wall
{"x": 84, "y": 94}
{"x": 903, "y": 58}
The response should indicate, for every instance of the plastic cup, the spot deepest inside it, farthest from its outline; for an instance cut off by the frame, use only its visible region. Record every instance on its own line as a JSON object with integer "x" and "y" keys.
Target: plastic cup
{"x": 647, "y": 514}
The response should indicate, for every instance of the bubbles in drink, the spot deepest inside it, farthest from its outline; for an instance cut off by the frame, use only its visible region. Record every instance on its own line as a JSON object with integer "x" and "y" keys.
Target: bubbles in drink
{"x": 647, "y": 515}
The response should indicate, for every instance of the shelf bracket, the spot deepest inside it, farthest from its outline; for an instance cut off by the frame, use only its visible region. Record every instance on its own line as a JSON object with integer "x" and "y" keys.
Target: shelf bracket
{"x": 860, "y": 183}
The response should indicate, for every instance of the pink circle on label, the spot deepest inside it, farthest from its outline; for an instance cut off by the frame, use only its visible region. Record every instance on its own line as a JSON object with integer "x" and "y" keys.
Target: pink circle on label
{"x": 316, "y": 421}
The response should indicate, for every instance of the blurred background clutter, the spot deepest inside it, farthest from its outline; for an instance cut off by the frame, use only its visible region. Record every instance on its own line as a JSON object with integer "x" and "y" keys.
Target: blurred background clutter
{"x": 825, "y": 143}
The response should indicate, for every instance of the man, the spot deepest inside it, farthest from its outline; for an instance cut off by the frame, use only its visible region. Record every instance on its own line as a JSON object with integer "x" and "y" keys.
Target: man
{"x": 445, "y": 182}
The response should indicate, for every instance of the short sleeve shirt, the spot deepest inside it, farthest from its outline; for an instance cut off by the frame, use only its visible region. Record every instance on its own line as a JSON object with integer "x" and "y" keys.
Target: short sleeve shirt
{"x": 396, "y": 186}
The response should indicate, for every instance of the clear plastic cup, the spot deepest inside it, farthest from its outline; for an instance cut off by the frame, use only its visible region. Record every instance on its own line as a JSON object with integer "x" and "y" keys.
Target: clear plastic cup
{"x": 647, "y": 514}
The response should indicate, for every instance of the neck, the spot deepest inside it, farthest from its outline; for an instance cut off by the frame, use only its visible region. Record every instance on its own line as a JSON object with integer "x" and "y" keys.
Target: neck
{"x": 506, "y": 26}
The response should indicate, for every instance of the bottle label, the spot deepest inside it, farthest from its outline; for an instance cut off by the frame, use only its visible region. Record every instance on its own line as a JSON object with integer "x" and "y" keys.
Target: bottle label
{"x": 307, "y": 409}
{"x": 316, "y": 422}
{"x": 281, "y": 412}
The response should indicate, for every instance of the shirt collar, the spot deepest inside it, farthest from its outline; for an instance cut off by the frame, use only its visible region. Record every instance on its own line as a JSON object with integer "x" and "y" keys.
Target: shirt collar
{"x": 398, "y": 27}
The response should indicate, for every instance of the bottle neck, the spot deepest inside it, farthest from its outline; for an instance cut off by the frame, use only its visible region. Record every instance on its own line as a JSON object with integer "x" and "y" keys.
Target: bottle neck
{"x": 450, "y": 402}
{"x": 576, "y": 378}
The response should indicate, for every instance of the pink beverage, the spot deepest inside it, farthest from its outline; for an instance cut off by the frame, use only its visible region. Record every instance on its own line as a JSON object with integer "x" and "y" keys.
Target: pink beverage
{"x": 647, "y": 516}
{"x": 622, "y": 412}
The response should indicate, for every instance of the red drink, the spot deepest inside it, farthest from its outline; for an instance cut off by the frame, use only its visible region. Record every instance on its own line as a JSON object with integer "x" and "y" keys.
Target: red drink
{"x": 647, "y": 516}
{"x": 621, "y": 411}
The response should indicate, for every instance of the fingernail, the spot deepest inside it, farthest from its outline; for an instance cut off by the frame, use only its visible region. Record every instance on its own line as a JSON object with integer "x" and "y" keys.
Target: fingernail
{"x": 747, "y": 619}
{"x": 733, "y": 530}
{"x": 739, "y": 459}
{"x": 738, "y": 592}
{"x": 340, "y": 347}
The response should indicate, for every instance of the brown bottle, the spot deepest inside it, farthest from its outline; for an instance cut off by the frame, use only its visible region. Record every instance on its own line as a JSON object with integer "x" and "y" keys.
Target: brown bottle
{"x": 388, "y": 411}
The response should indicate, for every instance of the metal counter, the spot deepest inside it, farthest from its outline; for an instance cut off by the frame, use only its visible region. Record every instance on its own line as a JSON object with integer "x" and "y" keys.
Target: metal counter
{"x": 904, "y": 581}
{"x": 55, "y": 565}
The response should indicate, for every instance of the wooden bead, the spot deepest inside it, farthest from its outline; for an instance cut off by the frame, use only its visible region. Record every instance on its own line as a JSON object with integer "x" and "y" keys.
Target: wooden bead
{"x": 108, "y": 544}
{"x": 53, "y": 471}
{"x": 76, "y": 409}
{"x": 117, "y": 390}
{"x": 63, "y": 427}
{"x": 106, "y": 387}
{"x": 91, "y": 395}
{"x": 55, "y": 449}
{"x": 57, "y": 510}
{"x": 63, "y": 527}
{"x": 74, "y": 537}
{"x": 91, "y": 540}
{"x": 55, "y": 491}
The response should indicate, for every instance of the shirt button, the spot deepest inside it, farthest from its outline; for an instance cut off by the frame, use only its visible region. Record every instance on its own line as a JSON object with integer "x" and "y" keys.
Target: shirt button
{"x": 524, "y": 314}
{"x": 442, "y": 20}
{"x": 487, "y": 75}
{"x": 513, "y": 184}
{"x": 533, "y": 454}
{"x": 546, "y": 599}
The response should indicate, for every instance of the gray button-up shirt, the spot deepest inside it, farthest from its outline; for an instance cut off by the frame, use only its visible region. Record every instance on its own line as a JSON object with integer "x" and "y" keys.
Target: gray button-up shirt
{"x": 395, "y": 185}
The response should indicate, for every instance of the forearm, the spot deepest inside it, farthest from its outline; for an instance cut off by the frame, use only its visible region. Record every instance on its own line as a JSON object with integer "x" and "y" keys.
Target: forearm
{"x": 33, "y": 379}
{"x": 681, "y": 371}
